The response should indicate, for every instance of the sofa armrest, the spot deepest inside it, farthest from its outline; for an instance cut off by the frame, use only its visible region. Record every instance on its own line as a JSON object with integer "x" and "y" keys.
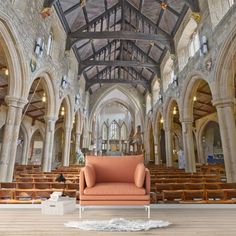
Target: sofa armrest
{"x": 147, "y": 181}
{"x": 82, "y": 183}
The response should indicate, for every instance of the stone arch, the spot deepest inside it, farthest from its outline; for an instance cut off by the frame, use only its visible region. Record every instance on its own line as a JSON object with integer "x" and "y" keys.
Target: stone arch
{"x": 49, "y": 88}
{"x": 159, "y": 137}
{"x": 224, "y": 73}
{"x": 126, "y": 93}
{"x": 36, "y": 157}
{"x": 172, "y": 123}
{"x": 14, "y": 56}
{"x": 189, "y": 89}
{"x": 20, "y": 151}
{"x": 68, "y": 110}
{"x": 38, "y": 130}
{"x": 125, "y": 104}
{"x": 168, "y": 114}
{"x": 199, "y": 134}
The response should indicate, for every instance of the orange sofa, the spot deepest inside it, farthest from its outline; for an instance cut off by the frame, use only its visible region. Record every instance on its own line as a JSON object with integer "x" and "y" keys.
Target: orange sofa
{"x": 114, "y": 182}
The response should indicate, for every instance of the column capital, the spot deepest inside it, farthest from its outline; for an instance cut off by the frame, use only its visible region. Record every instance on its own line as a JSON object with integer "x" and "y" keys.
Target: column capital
{"x": 15, "y": 102}
{"x": 187, "y": 120}
{"x": 224, "y": 102}
{"x": 50, "y": 118}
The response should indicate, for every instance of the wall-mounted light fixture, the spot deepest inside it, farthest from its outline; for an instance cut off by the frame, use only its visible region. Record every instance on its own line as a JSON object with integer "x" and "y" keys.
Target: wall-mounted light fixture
{"x": 204, "y": 45}
{"x": 175, "y": 81}
{"x": 39, "y": 47}
{"x": 194, "y": 98}
{"x": 77, "y": 99}
{"x": 160, "y": 98}
{"x": 64, "y": 82}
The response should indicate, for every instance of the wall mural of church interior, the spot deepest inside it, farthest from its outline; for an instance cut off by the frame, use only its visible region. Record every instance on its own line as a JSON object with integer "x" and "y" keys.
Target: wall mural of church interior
{"x": 118, "y": 78}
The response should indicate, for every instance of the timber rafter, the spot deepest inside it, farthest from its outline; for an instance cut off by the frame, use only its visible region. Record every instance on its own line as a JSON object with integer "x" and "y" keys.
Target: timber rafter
{"x": 134, "y": 36}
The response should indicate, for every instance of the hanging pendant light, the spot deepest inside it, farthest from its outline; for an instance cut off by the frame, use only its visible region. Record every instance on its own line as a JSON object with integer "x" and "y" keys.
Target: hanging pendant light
{"x": 174, "y": 111}
{"x": 44, "y": 98}
{"x": 161, "y": 120}
{"x": 6, "y": 71}
{"x": 62, "y": 111}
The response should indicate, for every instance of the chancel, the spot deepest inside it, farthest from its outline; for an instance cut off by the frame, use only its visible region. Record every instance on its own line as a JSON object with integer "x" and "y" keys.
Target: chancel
{"x": 117, "y": 116}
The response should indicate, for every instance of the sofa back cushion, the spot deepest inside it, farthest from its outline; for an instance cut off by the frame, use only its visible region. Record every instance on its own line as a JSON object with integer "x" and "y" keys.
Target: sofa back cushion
{"x": 114, "y": 169}
{"x": 90, "y": 176}
{"x": 139, "y": 175}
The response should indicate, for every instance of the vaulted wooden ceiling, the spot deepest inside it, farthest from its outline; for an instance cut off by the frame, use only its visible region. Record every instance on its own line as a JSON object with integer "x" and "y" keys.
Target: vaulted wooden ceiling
{"x": 121, "y": 41}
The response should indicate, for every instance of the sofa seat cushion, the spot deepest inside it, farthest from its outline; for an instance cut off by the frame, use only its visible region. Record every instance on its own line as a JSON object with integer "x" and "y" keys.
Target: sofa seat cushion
{"x": 114, "y": 189}
{"x": 115, "y": 198}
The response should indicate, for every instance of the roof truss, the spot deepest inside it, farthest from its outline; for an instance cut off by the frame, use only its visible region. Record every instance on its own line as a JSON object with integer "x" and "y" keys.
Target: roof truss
{"x": 143, "y": 42}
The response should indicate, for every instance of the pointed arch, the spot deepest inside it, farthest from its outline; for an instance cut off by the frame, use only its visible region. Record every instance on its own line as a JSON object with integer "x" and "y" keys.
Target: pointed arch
{"x": 190, "y": 88}
{"x": 14, "y": 55}
{"x": 133, "y": 102}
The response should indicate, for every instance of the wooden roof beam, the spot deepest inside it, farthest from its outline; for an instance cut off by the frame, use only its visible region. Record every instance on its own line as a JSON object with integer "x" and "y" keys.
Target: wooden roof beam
{"x": 48, "y": 3}
{"x": 125, "y": 35}
{"x": 68, "y": 11}
{"x": 86, "y": 64}
{"x": 147, "y": 20}
{"x": 116, "y": 80}
{"x": 193, "y": 5}
{"x": 99, "y": 17}
{"x": 144, "y": 54}
{"x": 100, "y": 50}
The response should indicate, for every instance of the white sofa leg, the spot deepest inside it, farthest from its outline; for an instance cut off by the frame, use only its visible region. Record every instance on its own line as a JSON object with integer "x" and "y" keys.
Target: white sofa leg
{"x": 147, "y": 208}
{"x": 80, "y": 211}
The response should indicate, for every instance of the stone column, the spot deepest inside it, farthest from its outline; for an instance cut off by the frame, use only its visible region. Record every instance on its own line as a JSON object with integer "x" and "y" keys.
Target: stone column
{"x": 201, "y": 157}
{"x": 108, "y": 138}
{"x": 157, "y": 149}
{"x": 228, "y": 136}
{"x": 11, "y": 133}
{"x": 48, "y": 143}
{"x": 169, "y": 147}
{"x": 189, "y": 155}
{"x": 26, "y": 150}
{"x": 66, "y": 149}
{"x": 77, "y": 134}
{"x": 16, "y": 130}
{"x": 77, "y": 142}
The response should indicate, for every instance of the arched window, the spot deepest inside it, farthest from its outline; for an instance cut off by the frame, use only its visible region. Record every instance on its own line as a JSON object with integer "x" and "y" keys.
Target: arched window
{"x": 104, "y": 132}
{"x": 50, "y": 44}
{"x": 155, "y": 91}
{"x": 167, "y": 74}
{"x": 114, "y": 131}
{"x": 194, "y": 44}
{"x": 124, "y": 132}
{"x": 148, "y": 103}
{"x": 188, "y": 43}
